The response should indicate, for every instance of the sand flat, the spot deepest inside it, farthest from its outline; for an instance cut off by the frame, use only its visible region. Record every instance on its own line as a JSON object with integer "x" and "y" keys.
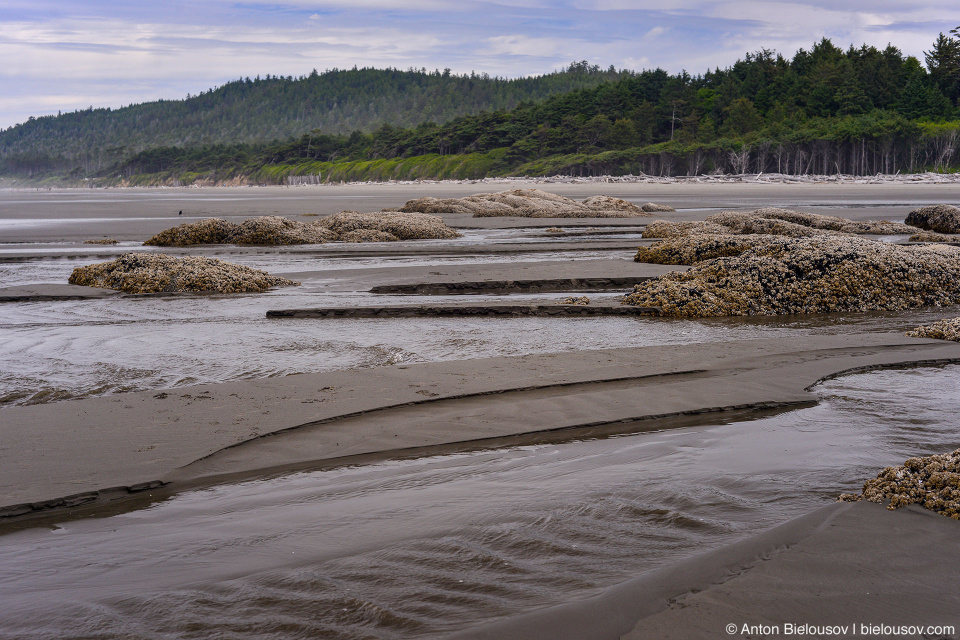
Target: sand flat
{"x": 65, "y": 448}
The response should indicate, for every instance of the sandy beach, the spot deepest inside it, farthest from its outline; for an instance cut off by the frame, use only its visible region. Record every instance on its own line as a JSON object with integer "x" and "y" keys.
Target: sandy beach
{"x": 115, "y": 452}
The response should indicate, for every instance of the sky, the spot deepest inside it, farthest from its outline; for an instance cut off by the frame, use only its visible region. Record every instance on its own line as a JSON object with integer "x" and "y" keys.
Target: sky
{"x": 64, "y": 55}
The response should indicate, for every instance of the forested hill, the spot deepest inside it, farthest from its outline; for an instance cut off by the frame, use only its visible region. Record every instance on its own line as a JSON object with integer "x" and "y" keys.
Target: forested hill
{"x": 826, "y": 110}
{"x": 274, "y": 108}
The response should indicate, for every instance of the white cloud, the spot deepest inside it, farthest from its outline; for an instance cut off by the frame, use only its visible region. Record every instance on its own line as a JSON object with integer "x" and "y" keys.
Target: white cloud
{"x": 522, "y": 45}
{"x": 102, "y": 54}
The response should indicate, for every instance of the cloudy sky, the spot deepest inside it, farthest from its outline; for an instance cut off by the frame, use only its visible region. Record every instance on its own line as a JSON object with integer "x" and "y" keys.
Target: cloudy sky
{"x": 67, "y": 55}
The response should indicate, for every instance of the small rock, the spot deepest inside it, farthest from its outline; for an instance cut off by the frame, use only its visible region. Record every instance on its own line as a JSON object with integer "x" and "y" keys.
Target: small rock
{"x": 931, "y": 481}
{"x": 943, "y": 330}
{"x": 933, "y": 236}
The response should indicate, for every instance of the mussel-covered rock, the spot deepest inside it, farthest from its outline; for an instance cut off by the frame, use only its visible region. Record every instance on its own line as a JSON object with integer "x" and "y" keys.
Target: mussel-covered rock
{"x": 943, "y": 218}
{"x": 155, "y": 273}
{"x": 780, "y": 275}
{"x": 930, "y": 481}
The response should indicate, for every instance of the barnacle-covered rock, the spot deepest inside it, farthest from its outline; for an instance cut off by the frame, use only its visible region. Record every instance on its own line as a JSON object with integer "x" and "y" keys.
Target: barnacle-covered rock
{"x": 780, "y": 275}
{"x": 368, "y": 235}
{"x": 653, "y": 207}
{"x": 400, "y": 225}
{"x": 690, "y": 249}
{"x": 877, "y": 227}
{"x": 668, "y": 229}
{"x": 932, "y": 481}
{"x": 154, "y": 273}
{"x": 576, "y": 300}
{"x": 933, "y": 236}
{"x": 943, "y": 218}
{"x": 277, "y": 230}
{"x": 774, "y": 221}
{"x": 528, "y": 203}
{"x": 736, "y": 222}
{"x": 943, "y": 330}
{"x": 206, "y": 231}
{"x": 607, "y": 203}
{"x": 346, "y": 226}
{"x": 814, "y": 220}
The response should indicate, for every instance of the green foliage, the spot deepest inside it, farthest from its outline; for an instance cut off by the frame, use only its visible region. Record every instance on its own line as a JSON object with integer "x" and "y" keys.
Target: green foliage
{"x": 825, "y": 110}
{"x": 255, "y": 111}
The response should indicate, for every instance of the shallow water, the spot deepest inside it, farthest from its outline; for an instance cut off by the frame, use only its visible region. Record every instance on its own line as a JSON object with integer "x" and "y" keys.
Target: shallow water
{"x": 421, "y": 547}
{"x": 77, "y": 348}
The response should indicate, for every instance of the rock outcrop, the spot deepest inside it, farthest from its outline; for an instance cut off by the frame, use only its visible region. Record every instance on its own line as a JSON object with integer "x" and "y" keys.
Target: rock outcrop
{"x": 346, "y": 226}
{"x": 931, "y": 481}
{"x": 101, "y": 241}
{"x": 531, "y": 203}
{"x": 156, "y": 273}
{"x": 943, "y": 218}
{"x": 773, "y": 275}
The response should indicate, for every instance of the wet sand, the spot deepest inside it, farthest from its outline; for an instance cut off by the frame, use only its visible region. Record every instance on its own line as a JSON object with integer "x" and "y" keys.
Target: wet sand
{"x": 86, "y": 453}
{"x": 99, "y": 449}
{"x": 844, "y": 565}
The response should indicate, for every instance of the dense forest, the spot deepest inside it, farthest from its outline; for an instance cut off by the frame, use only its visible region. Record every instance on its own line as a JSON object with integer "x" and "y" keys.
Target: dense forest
{"x": 273, "y": 108}
{"x": 826, "y": 110}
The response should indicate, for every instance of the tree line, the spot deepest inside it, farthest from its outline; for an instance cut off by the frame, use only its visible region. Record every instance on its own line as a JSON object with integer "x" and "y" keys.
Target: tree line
{"x": 825, "y": 110}
{"x": 272, "y": 108}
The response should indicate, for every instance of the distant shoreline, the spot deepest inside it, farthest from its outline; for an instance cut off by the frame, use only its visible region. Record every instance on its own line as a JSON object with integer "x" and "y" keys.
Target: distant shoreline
{"x": 749, "y": 178}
